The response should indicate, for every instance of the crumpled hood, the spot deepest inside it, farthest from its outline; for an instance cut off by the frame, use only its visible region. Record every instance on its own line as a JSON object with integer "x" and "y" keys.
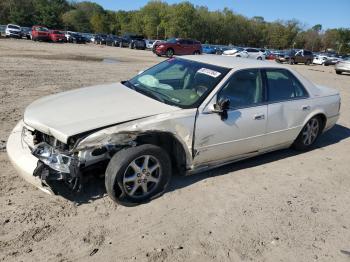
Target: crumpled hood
{"x": 69, "y": 113}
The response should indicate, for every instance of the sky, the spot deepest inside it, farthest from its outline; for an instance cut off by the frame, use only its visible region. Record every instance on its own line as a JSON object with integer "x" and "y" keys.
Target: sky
{"x": 330, "y": 14}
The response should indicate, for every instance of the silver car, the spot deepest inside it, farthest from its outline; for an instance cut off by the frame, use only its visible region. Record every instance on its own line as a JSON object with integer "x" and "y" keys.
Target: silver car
{"x": 184, "y": 115}
{"x": 343, "y": 66}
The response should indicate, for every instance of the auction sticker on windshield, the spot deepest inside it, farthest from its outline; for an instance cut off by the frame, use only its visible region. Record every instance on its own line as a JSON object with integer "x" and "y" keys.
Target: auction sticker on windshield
{"x": 209, "y": 72}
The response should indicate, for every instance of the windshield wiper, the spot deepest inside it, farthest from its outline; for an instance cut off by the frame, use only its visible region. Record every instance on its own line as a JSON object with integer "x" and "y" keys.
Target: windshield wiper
{"x": 150, "y": 93}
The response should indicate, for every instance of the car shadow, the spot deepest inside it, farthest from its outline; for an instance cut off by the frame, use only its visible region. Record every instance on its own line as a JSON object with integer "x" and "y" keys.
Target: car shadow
{"x": 94, "y": 188}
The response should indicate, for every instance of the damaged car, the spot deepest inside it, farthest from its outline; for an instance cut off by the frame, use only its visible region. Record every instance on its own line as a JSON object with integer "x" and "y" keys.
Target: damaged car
{"x": 184, "y": 115}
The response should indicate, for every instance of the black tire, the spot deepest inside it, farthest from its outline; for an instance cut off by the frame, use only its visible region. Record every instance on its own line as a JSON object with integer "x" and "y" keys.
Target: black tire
{"x": 119, "y": 165}
{"x": 170, "y": 52}
{"x": 338, "y": 72}
{"x": 259, "y": 58}
{"x": 300, "y": 142}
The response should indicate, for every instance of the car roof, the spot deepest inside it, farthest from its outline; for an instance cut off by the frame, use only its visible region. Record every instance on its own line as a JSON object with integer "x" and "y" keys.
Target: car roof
{"x": 232, "y": 62}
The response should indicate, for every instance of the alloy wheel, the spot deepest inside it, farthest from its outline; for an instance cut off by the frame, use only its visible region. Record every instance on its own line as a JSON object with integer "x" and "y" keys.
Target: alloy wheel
{"x": 310, "y": 131}
{"x": 142, "y": 176}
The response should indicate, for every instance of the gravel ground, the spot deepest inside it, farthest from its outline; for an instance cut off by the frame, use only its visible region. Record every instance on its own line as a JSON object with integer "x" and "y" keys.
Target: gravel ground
{"x": 282, "y": 206}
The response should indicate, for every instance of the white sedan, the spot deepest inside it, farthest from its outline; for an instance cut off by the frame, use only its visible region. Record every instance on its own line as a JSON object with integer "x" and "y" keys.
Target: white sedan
{"x": 236, "y": 52}
{"x": 253, "y": 53}
{"x": 320, "y": 60}
{"x": 184, "y": 115}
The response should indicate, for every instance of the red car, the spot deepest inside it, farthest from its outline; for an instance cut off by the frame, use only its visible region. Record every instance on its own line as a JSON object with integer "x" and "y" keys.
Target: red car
{"x": 179, "y": 46}
{"x": 40, "y": 33}
{"x": 57, "y": 36}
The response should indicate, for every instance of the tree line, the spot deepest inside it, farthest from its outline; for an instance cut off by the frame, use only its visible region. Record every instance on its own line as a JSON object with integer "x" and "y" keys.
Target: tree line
{"x": 160, "y": 20}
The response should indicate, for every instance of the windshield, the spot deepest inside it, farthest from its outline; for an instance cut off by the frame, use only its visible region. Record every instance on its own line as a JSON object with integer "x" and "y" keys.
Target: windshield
{"x": 171, "y": 41}
{"x": 13, "y": 27}
{"x": 43, "y": 29}
{"x": 178, "y": 82}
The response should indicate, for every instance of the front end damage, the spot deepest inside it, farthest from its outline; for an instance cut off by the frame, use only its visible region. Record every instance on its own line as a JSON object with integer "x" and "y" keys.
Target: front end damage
{"x": 43, "y": 160}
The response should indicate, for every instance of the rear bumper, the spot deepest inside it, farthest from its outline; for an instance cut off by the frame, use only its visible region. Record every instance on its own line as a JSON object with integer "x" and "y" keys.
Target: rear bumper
{"x": 22, "y": 159}
{"x": 331, "y": 121}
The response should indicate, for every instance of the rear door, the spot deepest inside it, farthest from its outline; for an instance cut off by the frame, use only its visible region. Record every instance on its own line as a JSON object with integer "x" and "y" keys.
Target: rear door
{"x": 253, "y": 53}
{"x": 288, "y": 106}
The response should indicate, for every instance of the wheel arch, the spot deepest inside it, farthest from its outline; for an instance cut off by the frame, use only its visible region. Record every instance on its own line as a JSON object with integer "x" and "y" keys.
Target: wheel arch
{"x": 171, "y": 144}
{"x": 319, "y": 113}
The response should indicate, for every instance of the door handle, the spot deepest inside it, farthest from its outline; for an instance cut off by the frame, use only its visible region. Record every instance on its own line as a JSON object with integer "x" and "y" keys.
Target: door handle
{"x": 306, "y": 108}
{"x": 259, "y": 117}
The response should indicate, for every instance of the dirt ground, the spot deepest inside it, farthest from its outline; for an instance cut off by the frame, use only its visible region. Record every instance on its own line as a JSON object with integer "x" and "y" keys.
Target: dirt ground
{"x": 282, "y": 206}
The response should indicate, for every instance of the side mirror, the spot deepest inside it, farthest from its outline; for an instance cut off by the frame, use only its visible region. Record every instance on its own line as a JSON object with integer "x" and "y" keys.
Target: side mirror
{"x": 221, "y": 107}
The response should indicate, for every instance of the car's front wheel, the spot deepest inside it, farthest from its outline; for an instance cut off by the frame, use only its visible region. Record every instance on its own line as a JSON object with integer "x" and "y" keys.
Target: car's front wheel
{"x": 338, "y": 72}
{"x": 170, "y": 52}
{"x": 137, "y": 174}
{"x": 308, "y": 134}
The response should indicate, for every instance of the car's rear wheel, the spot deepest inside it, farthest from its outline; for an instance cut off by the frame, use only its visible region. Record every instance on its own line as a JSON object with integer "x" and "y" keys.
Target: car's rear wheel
{"x": 338, "y": 72}
{"x": 309, "y": 134}
{"x": 137, "y": 174}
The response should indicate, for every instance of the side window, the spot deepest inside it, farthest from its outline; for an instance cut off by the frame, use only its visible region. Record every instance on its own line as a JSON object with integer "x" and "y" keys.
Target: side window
{"x": 244, "y": 89}
{"x": 282, "y": 85}
{"x": 182, "y": 42}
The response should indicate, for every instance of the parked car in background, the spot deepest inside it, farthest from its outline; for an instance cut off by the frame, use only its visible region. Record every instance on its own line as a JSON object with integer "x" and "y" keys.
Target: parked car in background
{"x": 113, "y": 40}
{"x": 156, "y": 44}
{"x": 208, "y": 49}
{"x": 57, "y": 36}
{"x": 187, "y": 120}
{"x": 26, "y": 32}
{"x": 149, "y": 43}
{"x": 319, "y": 60}
{"x": 343, "y": 66}
{"x": 255, "y": 53}
{"x": 133, "y": 41}
{"x": 295, "y": 57}
{"x": 332, "y": 60}
{"x": 179, "y": 46}
{"x": 220, "y": 49}
{"x": 40, "y": 33}
{"x": 271, "y": 54}
{"x": 236, "y": 52}
{"x": 73, "y": 37}
{"x": 87, "y": 37}
{"x": 100, "y": 39}
{"x": 13, "y": 31}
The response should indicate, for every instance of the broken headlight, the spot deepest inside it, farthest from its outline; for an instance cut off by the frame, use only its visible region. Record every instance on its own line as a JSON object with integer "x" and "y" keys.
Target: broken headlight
{"x": 52, "y": 158}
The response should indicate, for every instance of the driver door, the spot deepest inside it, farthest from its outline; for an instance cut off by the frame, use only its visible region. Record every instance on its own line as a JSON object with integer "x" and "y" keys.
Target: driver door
{"x": 242, "y": 132}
